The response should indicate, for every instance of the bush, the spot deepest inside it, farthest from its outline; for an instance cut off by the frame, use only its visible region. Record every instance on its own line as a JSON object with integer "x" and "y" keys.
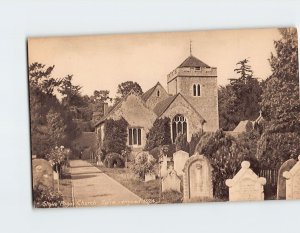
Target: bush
{"x": 114, "y": 160}
{"x": 194, "y": 142}
{"x": 182, "y": 143}
{"x": 159, "y": 134}
{"x": 115, "y": 135}
{"x": 166, "y": 149}
{"x": 226, "y": 155}
{"x": 143, "y": 163}
{"x": 44, "y": 197}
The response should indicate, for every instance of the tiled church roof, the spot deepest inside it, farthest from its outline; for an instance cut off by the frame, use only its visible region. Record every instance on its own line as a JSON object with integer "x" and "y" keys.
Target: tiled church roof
{"x": 148, "y": 93}
{"x": 192, "y": 61}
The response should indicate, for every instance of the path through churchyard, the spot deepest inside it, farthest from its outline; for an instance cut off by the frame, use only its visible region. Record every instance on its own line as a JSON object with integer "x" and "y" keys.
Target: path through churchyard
{"x": 92, "y": 187}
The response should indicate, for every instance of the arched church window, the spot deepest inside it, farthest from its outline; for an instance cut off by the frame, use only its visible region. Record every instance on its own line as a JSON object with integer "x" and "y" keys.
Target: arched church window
{"x": 194, "y": 90}
{"x": 157, "y": 93}
{"x": 179, "y": 126}
{"x": 198, "y": 90}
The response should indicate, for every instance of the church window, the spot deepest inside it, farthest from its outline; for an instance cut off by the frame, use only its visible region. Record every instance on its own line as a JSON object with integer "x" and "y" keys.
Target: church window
{"x": 179, "y": 126}
{"x": 196, "y": 90}
{"x": 157, "y": 93}
{"x": 135, "y": 136}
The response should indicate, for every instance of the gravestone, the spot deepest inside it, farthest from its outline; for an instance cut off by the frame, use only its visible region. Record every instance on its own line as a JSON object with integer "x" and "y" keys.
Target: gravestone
{"x": 164, "y": 159}
{"x": 179, "y": 158}
{"x": 42, "y": 173}
{"x": 246, "y": 185}
{"x": 149, "y": 177}
{"x": 293, "y": 182}
{"x": 197, "y": 179}
{"x": 281, "y": 182}
{"x": 171, "y": 182}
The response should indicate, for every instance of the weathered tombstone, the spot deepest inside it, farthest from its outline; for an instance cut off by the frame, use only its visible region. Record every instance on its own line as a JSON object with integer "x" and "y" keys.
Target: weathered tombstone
{"x": 281, "y": 182}
{"x": 293, "y": 182}
{"x": 179, "y": 158}
{"x": 149, "y": 177}
{"x": 164, "y": 165}
{"x": 171, "y": 182}
{"x": 197, "y": 179}
{"x": 42, "y": 173}
{"x": 246, "y": 185}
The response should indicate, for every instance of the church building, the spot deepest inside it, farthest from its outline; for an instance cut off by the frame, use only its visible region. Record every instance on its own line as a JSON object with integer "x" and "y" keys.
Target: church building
{"x": 190, "y": 101}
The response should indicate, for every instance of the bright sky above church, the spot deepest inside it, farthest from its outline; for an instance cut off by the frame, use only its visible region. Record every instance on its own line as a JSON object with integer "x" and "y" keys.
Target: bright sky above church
{"x": 102, "y": 62}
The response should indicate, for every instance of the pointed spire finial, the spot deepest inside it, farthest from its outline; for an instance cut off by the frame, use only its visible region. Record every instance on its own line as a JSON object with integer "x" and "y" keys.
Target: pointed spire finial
{"x": 190, "y": 47}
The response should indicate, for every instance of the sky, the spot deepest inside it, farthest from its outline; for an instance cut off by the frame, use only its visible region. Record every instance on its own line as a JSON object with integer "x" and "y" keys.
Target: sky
{"x": 102, "y": 62}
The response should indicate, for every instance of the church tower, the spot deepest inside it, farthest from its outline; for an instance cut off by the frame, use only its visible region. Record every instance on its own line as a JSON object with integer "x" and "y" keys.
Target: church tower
{"x": 197, "y": 82}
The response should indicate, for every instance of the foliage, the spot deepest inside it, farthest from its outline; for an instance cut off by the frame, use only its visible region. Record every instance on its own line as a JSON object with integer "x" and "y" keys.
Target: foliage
{"x": 240, "y": 99}
{"x": 182, "y": 143}
{"x": 57, "y": 155}
{"x": 125, "y": 87}
{"x": 226, "y": 155}
{"x": 56, "y": 128}
{"x": 159, "y": 134}
{"x": 70, "y": 92}
{"x": 115, "y": 135}
{"x": 194, "y": 142}
{"x": 280, "y": 103}
{"x": 276, "y": 148}
{"x": 114, "y": 160}
{"x": 50, "y": 122}
{"x": 44, "y": 197}
{"x": 144, "y": 163}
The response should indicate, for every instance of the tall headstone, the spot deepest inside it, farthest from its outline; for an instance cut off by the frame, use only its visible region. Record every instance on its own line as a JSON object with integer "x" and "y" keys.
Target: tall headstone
{"x": 246, "y": 185}
{"x": 171, "y": 182}
{"x": 197, "y": 179}
{"x": 281, "y": 182}
{"x": 179, "y": 158}
{"x": 42, "y": 173}
{"x": 293, "y": 182}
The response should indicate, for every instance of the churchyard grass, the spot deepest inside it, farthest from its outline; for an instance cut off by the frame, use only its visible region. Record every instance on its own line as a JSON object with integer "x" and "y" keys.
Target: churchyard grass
{"x": 148, "y": 191}
{"x": 65, "y": 186}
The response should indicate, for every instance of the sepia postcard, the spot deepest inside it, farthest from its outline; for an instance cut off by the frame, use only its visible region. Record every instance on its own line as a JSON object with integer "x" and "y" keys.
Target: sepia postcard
{"x": 153, "y": 118}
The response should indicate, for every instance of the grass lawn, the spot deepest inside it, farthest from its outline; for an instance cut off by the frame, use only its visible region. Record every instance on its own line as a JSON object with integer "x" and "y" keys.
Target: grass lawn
{"x": 149, "y": 191}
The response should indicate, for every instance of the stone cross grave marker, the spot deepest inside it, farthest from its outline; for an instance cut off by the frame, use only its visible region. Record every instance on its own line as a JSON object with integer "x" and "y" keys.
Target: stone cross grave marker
{"x": 246, "y": 185}
{"x": 179, "y": 158}
{"x": 197, "y": 179}
{"x": 281, "y": 182}
{"x": 171, "y": 182}
{"x": 42, "y": 173}
{"x": 293, "y": 182}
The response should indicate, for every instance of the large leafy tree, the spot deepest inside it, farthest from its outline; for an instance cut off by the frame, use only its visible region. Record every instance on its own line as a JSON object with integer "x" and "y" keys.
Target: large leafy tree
{"x": 125, "y": 87}
{"x": 240, "y": 99}
{"x": 280, "y": 103}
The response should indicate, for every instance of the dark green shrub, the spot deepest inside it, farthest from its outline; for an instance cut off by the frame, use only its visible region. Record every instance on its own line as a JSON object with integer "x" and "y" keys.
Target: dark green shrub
{"x": 194, "y": 142}
{"x": 182, "y": 143}
{"x": 226, "y": 155}
{"x": 44, "y": 197}
{"x": 115, "y": 138}
{"x": 159, "y": 134}
{"x": 114, "y": 160}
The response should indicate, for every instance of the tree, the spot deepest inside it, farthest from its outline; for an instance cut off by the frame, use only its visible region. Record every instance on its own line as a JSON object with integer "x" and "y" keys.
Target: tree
{"x": 240, "y": 99}
{"x": 56, "y": 128}
{"x": 125, "y": 87}
{"x": 280, "y": 104}
{"x": 159, "y": 134}
{"x": 70, "y": 92}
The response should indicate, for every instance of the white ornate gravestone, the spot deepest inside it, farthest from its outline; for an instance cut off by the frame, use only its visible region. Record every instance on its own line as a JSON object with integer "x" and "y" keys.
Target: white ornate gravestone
{"x": 164, "y": 165}
{"x": 293, "y": 182}
{"x": 246, "y": 185}
{"x": 197, "y": 179}
{"x": 171, "y": 182}
{"x": 42, "y": 173}
{"x": 179, "y": 158}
